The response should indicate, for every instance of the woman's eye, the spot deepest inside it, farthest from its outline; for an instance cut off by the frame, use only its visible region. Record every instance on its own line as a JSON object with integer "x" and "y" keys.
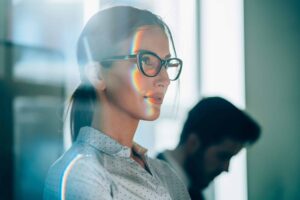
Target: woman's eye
{"x": 146, "y": 60}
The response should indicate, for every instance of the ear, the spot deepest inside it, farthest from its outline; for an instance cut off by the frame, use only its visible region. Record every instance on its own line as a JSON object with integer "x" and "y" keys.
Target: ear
{"x": 192, "y": 144}
{"x": 94, "y": 75}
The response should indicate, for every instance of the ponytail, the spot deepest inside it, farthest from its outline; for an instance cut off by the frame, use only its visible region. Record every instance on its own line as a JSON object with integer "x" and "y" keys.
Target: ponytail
{"x": 83, "y": 103}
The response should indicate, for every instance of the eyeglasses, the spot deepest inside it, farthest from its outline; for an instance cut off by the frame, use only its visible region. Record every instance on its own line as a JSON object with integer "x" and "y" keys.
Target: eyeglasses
{"x": 151, "y": 64}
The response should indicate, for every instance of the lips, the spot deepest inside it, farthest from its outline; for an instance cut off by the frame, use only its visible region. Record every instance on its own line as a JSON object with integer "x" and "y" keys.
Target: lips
{"x": 155, "y": 98}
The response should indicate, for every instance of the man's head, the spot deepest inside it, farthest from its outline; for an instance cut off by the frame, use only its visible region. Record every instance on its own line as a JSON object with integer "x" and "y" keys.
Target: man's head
{"x": 214, "y": 131}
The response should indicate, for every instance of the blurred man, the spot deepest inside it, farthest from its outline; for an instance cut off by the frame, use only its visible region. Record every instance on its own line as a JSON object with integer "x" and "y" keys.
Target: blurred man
{"x": 213, "y": 133}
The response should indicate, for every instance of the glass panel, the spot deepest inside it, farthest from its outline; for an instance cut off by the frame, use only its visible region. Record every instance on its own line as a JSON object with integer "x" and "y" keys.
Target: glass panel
{"x": 2, "y": 60}
{"x": 38, "y": 65}
{"x": 48, "y": 30}
{"x": 32, "y": 64}
{"x": 4, "y": 10}
{"x": 38, "y": 143}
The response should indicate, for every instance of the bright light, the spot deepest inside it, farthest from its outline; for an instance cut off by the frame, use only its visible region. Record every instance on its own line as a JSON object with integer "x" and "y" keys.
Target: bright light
{"x": 90, "y": 8}
{"x": 233, "y": 185}
{"x": 222, "y": 45}
{"x": 222, "y": 74}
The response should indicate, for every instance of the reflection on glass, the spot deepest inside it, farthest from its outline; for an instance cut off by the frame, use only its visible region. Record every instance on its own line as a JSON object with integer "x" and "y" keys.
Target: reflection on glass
{"x": 2, "y": 61}
{"x": 37, "y": 143}
{"x": 38, "y": 65}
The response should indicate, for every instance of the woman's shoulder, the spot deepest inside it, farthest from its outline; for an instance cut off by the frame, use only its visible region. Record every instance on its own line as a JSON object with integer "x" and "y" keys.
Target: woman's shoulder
{"x": 77, "y": 155}
{"x": 79, "y": 167}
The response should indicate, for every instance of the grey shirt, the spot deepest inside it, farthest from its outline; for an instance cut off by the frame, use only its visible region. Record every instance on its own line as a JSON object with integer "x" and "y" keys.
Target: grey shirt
{"x": 98, "y": 167}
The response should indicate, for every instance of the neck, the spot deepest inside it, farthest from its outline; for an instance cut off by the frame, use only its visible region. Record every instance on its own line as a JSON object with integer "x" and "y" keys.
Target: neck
{"x": 179, "y": 155}
{"x": 117, "y": 124}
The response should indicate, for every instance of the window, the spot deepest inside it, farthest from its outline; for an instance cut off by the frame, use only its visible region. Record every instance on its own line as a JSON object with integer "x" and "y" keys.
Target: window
{"x": 222, "y": 74}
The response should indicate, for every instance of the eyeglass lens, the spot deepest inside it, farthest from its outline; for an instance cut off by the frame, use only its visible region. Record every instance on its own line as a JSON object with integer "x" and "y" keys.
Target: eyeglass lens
{"x": 151, "y": 65}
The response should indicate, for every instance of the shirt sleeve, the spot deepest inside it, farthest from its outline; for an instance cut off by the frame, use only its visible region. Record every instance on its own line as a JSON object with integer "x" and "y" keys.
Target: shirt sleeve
{"x": 86, "y": 179}
{"x": 82, "y": 178}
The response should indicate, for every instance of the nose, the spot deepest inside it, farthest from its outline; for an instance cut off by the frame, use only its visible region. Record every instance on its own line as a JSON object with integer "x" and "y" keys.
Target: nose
{"x": 163, "y": 78}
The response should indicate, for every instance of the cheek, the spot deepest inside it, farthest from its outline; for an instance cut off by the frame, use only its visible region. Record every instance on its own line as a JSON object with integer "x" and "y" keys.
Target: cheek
{"x": 125, "y": 87}
{"x": 118, "y": 86}
{"x": 123, "y": 79}
{"x": 128, "y": 88}
{"x": 138, "y": 80}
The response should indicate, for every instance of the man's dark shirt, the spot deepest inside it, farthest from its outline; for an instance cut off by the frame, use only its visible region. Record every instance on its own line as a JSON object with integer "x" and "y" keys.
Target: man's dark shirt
{"x": 195, "y": 193}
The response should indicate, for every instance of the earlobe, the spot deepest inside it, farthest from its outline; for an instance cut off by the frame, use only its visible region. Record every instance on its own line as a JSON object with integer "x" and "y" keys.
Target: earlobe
{"x": 94, "y": 75}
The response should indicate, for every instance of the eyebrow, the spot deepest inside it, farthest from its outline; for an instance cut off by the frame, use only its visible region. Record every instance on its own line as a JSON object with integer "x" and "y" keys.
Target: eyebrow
{"x": 168, "y": 56}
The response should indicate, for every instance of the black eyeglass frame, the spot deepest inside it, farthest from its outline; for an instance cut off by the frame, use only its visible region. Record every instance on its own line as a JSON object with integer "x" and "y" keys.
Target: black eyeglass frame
{"x": 138, "y": 56}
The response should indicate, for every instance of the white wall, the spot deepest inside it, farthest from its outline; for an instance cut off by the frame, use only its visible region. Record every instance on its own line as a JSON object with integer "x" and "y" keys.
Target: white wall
{"x": 272, "y": 53}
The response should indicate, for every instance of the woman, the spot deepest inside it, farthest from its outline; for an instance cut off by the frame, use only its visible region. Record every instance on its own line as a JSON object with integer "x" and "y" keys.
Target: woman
{"x": 126, "y": 68}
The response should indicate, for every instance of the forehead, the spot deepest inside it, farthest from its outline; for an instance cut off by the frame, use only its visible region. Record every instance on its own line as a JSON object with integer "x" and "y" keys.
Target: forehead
{"x": 151, "y": 38}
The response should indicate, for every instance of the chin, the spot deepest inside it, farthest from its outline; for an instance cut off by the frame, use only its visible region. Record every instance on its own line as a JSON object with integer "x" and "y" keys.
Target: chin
{"x": 151, "y": 116}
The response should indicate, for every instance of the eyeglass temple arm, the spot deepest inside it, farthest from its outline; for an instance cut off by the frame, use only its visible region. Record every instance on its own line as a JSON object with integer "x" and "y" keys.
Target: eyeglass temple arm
{"x": 119, "y": 58}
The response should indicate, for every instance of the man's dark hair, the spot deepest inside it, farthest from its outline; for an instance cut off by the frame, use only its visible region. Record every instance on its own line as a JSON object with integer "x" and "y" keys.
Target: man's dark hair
{"x": 214, "y": 119}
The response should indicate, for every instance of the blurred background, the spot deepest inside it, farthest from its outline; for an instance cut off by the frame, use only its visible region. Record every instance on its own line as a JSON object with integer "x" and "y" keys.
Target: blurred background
{"x": 246, "y": 51}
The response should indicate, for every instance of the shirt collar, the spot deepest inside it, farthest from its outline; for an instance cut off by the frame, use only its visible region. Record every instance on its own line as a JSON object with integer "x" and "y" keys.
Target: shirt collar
{"x": 106, "y": 144}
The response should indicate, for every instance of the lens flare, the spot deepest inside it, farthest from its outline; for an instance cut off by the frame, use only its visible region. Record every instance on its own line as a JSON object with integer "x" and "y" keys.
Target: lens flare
{"x": 65, "y": 176}
{"x": 136, "y": 75}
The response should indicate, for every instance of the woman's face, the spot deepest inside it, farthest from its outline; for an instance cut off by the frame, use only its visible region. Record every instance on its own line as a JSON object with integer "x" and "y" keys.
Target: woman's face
{"x": 127, "y": 89}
